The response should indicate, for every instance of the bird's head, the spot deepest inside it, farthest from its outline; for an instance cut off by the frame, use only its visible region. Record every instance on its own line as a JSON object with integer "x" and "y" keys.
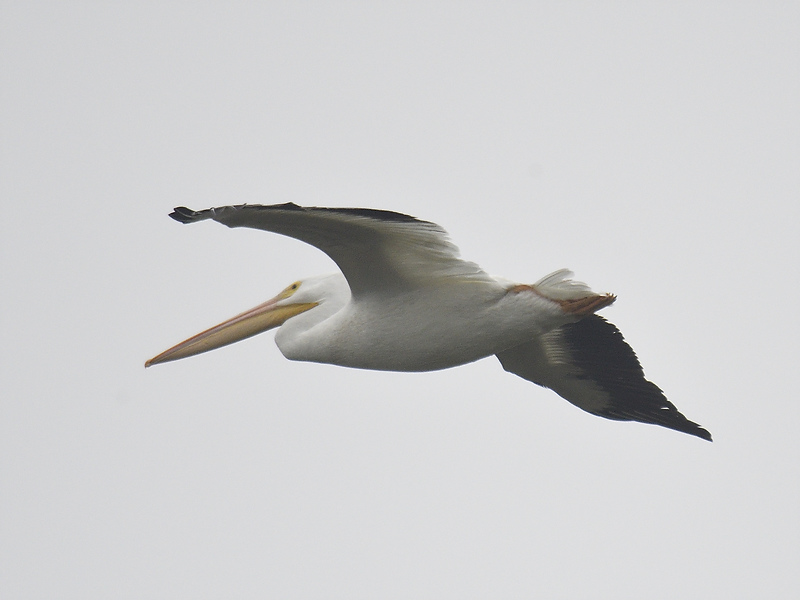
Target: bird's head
{"x": 295, "y": 299}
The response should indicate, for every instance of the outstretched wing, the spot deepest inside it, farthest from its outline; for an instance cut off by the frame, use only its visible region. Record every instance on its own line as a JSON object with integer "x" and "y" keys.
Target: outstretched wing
{"x": 377, "y": 250}
{"x": 590, "y": 364}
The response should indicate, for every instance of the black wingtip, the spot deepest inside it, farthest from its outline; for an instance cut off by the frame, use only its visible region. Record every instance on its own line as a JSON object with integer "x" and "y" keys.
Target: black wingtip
{"x": 184, "y": 215}
{"x": 702, "y": 433}
{"x": 669, "y": 416}
{"x": 673, "y": 419}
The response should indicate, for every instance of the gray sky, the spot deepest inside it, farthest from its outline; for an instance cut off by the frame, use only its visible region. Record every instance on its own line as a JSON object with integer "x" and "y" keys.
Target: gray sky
{"x": 652, "y": 148}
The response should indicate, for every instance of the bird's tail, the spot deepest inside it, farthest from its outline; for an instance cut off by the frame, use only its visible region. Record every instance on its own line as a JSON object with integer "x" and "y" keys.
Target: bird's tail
{"x": 573, "y": 296}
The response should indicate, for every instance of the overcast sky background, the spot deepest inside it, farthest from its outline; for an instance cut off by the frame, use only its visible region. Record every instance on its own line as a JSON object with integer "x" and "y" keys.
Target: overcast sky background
{"x": 650, "y": 147}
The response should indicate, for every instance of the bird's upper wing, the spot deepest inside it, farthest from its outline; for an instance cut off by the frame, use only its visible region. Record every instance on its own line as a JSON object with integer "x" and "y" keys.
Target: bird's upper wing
{"x": 590, "y": 364}
{"x": 377, "y": 250}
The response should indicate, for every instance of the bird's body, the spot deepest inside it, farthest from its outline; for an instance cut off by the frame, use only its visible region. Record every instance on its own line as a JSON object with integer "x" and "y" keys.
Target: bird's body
{"x": 442, "y": 326}
{"x": 404, "y": 301}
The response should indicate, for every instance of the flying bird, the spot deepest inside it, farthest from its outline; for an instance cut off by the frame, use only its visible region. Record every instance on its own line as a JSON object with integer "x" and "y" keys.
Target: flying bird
{"x": 405, "y": 301}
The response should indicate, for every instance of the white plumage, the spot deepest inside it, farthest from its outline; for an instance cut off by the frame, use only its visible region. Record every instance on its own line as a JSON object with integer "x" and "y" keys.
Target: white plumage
{"x": 405, "y": 301}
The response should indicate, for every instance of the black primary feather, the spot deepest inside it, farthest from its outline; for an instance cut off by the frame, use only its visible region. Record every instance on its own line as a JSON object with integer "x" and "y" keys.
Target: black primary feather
{"x": 603, "y": 356}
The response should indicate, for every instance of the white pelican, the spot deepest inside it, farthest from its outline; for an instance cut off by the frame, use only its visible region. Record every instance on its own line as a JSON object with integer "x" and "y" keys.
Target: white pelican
{"x": 404, "y": 301}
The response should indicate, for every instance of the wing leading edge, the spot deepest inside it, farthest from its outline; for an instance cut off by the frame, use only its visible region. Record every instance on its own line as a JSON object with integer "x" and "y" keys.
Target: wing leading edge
{"x": 377, "y": 250}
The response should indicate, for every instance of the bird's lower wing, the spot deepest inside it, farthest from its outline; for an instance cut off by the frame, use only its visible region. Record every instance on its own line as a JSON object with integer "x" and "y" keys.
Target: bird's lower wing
{"x": 591, "y": 365}
{"x": 377, "y": 250}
